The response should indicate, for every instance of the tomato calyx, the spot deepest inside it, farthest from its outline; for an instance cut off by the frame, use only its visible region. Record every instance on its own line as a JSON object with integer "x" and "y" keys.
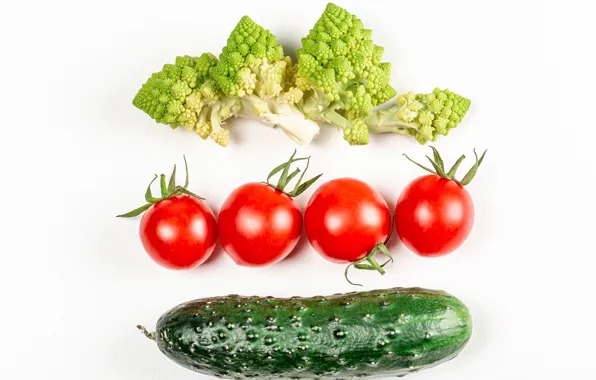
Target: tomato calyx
{"x": 369, "y": 262}
{"x": 439, "y": 167}
{"x": 286, "y": 176}
{"x": 168, "y": 191}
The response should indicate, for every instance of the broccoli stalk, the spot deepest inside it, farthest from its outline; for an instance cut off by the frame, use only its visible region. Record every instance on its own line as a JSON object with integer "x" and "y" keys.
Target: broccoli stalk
{"x": 423, "y": 116}
{"x": 277, "y": 112}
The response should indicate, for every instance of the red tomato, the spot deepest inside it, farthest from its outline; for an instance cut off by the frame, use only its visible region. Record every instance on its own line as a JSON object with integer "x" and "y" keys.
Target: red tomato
{"x": 345, "y": 219}
{"x": 179, "y": 233}
{"x": 434, "y": 215}
{"x": 259, "y": 225}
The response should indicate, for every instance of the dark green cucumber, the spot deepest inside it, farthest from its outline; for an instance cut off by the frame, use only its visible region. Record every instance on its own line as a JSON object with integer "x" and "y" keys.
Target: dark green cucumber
{"x": 391, "y": 332}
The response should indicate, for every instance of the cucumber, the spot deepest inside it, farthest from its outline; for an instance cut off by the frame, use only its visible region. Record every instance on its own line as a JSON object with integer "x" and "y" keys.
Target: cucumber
{"x": 391, "y": 332}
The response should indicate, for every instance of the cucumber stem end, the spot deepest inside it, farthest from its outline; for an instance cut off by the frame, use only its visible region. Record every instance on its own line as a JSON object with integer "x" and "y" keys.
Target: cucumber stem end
{"x": 149, "y": 335}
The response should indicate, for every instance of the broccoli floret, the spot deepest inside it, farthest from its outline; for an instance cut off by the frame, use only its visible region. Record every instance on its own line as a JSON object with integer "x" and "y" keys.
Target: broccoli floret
{"x": 424, "y": 116}
{"x": 184, "y": 95}
{"x": 252, "y": 78}
{"x": 252, "y": 55}
{"x": 356, "y": 134}
{"x": 341, "y": 73}
{"x": 253, "y": 68}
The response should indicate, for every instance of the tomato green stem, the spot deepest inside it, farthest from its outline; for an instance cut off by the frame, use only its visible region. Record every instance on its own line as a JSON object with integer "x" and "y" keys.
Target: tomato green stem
{"x": 438, "y": 169}
{"x": 186, "y": 168}
{"x": 439, "y": 166}
{"x": 438, "y": 159}
{"x": 472, "y": 173}
{"x": 373, "y": 264}
{"x": 162, "y": 184}
{"x": 286, "y": 176}
{"x": 167, "y": 192}
{"x": 455, "y": 166}
{"x": 148, "y": 194}
{"x": 136, "y": 212}
{"x": 172, "y": 182}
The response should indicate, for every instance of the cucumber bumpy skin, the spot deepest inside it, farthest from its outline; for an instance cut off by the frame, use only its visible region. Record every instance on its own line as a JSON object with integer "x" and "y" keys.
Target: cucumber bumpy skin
{"x": 380, "y": 333}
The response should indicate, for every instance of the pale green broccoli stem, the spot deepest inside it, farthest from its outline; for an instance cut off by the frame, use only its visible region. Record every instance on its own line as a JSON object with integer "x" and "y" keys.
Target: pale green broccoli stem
{"x": 283, "y": 115}
{"x": 294, "y": 124}
{"x": 203, "y": 128}
{"x": 336, "y": 119}
{"x": 390, "y": 121}
{"x": 424, "y": 116}
{"x": 218, "y": 134}
{"x": 355, "y": 131}
{"x": 387, "y": 122}
{"x": 215, "y": 119}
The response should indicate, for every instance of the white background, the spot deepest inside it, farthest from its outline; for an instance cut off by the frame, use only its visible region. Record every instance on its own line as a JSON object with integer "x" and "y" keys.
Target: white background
{"x": 75, "y": 280}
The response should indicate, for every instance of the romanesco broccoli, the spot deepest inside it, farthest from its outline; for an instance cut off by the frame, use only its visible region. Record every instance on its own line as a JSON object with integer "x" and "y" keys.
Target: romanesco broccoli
{"x": 183, "y": 95}
{"x": 424, "y": 116}
{"x": 251, "y": 79}
{"x": 341, "y": 73}
{"x": 339, "y": 79}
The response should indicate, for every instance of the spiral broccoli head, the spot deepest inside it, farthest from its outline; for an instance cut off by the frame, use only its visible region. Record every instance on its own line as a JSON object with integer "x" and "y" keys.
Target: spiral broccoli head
{"x": 252, "y": 61}
{"x": 185, "y": 94}
{"x": 203, "y": 128}
{"x": 432, "y": 114}
{"x": 359, "y": 103}
{"x": 173, "y": 96}
{"x": 221, "y": 136}
{"x": 339, "y": 59}
{"x": 357, "y": 134}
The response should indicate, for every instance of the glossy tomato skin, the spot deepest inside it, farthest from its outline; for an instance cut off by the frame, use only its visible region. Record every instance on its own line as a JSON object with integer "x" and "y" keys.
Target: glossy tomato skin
{"x": 179, "y": 233}
{"x": 345, "y": 219}
{"x": 434, "y": 215}
{"x": 259, "y": 225}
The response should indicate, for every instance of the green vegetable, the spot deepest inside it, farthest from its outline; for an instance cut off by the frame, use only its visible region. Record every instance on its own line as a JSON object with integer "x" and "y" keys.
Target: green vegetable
{"x": 184, "y": 95}
{"x": 343, "y": 79}
{"x": 424, "y": 116}
{"x": 390, "y": 332}
{"x": 340, "y": 70}
{"x": 251, "y": 79}
{"x": 339, "y": 79}
{"x": 253, "y": 68}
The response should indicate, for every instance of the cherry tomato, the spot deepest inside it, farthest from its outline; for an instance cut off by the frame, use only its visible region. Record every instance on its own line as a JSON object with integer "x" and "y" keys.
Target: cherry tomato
{"x": 178, "y": 230}
{"x": 434, "y": 214}
{"x": 179, "y": 233}
{"x": 345, "y": 219}
{"x": 259, "y": 225}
